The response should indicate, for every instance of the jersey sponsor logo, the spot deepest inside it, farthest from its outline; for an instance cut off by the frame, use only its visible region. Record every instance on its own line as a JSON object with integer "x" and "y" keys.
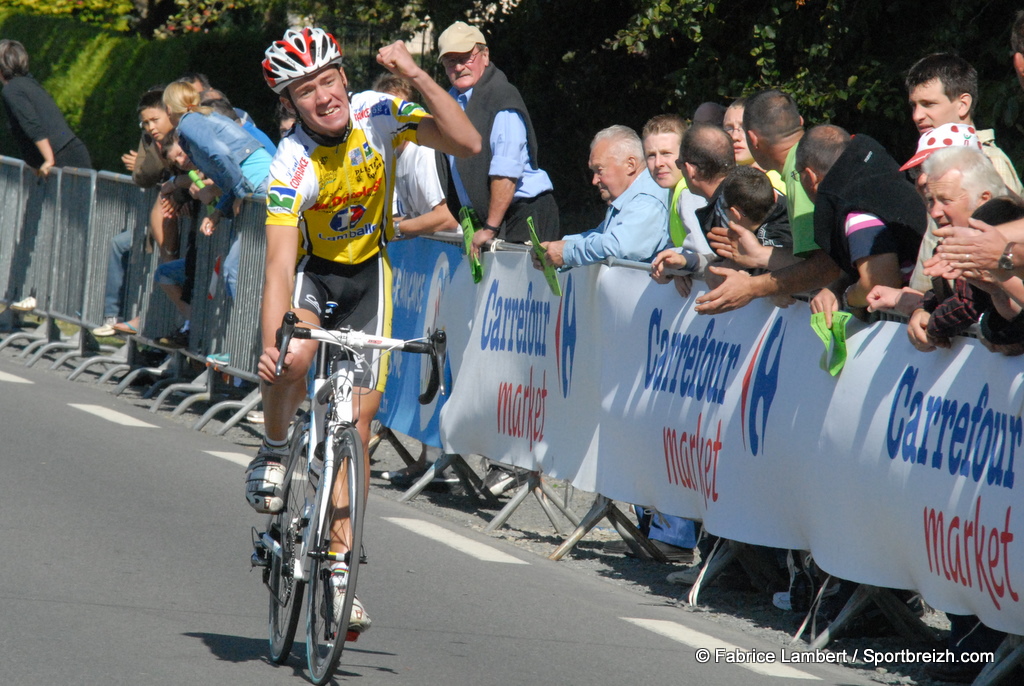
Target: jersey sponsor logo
{"x": 339, "y": 200}
{"x": 380, "y": 109}
{"x": 355, "y": 157}
{"x": 361, "y": 114}
{"x": 367, "y": 151}
{"x": 280, "y": 199}
{"x": 347, "y": 218}
{"x": 300, "y": 171}
{"x": 407, "y": 108}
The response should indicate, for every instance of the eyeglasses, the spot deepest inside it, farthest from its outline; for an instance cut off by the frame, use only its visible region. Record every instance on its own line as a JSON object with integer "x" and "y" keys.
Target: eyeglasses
{"x": 464, "y": 58}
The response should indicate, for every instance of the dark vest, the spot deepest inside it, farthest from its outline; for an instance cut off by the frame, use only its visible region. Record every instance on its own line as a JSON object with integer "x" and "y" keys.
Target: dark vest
{"x": 491, "y": 94}
{"x": 866, "y": 178}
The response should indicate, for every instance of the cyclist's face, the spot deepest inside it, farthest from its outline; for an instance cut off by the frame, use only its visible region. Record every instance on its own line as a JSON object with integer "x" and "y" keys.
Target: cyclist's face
{"x": 155, "y": 122}
{"x": 321, "y": 100}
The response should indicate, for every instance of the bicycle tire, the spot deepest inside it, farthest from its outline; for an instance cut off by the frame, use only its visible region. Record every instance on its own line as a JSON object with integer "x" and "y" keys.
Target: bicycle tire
{"x": 324, "y": 642}
{"x": 286, "y": 527}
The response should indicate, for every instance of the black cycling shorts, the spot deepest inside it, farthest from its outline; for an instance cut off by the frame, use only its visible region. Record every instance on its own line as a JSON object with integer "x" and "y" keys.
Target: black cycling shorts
{"x": 360, "y": 295}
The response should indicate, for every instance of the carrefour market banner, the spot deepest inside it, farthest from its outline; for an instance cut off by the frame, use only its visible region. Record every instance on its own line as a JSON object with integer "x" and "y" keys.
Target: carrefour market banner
{"x": 421, "y": 271}
{"x": 900, "y": 472}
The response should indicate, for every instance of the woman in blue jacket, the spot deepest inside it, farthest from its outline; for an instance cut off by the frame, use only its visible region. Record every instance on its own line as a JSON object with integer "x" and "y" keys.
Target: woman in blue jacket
{"x": 225, "y": 153}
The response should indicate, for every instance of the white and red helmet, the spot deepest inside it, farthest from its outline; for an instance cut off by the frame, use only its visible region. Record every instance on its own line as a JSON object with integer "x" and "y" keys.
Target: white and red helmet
{"x": 298, "y": 54}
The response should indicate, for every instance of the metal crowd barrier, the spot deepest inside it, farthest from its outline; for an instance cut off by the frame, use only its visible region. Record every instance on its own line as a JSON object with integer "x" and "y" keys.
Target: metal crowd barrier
{"x": 55, "y": 245}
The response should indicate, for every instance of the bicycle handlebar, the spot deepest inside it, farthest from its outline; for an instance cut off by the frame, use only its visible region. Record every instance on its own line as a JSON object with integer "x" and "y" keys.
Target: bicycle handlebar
{"x": 436, "y": 346}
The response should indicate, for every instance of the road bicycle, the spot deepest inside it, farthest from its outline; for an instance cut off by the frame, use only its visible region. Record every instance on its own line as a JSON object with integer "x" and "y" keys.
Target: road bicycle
{"x": 325, "y": 475}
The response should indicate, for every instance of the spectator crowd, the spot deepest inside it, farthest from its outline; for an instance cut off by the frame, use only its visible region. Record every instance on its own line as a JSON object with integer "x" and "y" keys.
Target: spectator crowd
{"x": 746, "y": 196}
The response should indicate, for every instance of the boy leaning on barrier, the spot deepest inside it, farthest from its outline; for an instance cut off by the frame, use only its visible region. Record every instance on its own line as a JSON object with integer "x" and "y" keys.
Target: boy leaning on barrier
{"x": 329, "y": 203}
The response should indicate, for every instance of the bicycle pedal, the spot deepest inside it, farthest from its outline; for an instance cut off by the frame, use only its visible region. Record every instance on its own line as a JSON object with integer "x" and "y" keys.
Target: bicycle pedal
{"x": 259, "y": 558}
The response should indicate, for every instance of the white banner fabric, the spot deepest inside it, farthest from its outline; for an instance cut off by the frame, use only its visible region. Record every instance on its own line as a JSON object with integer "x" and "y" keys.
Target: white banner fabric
{"x": 899, "y": 472}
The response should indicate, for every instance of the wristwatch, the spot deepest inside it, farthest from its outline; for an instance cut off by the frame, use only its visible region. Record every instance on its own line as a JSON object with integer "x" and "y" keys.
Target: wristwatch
{"x": 1006, "y": 259}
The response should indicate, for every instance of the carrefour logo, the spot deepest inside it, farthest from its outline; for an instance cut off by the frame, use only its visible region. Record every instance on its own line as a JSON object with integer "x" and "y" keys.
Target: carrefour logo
{"x": 760, "y": 382}
{"x": 565, "y": 337}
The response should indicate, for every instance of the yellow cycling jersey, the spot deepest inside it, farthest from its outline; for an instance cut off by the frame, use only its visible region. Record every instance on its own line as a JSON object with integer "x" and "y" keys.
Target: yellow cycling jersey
{"x": 340, "y": 197}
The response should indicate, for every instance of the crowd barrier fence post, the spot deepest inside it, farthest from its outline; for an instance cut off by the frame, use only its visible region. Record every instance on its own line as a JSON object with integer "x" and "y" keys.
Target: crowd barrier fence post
{"x": 13, "y": 189}
{"x": 1008, "y": 657}
{"x": 31, "y": 259}
{"x": 119, "y": 206}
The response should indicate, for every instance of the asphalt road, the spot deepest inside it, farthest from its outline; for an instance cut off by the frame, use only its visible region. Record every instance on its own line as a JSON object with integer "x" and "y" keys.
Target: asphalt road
{"x": 125, "y": 560}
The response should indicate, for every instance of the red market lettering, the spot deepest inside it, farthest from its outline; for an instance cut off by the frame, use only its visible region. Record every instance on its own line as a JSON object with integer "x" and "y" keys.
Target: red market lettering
{"x": 974, "y": 441}
{"x": 521, "y": 408}
{"x": 956, "y": 547}
{"x": 691, "y": 459}
{"x": 339, "y": 200}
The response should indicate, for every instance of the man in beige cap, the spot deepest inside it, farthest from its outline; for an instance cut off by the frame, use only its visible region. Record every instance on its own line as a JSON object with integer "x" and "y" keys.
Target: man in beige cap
{"x": 503, "y": 183}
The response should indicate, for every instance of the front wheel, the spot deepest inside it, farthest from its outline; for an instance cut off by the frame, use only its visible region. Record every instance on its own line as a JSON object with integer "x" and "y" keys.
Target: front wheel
{"x": 328, "y": 627}
{"x": 286, "y": 530}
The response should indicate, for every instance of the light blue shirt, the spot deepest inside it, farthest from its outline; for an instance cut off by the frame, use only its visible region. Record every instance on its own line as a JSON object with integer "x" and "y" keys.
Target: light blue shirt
{"x": 635, "y": 227}
{"x": 510, "y": 155}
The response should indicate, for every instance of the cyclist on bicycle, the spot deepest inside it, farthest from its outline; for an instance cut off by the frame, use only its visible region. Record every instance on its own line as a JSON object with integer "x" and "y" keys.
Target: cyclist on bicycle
{"x": 329, "y": 201}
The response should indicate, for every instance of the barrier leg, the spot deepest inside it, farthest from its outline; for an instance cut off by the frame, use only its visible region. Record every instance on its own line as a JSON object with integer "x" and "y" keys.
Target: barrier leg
{"x": 1009, "y": 655}
{"x": 87, "y": 346}
{"x": 243, "y": 406}
{"x": 197, "y": 385}
{"x": 109, "y": 374}
{"x": 388, "y": 435}
{"x": 470, "y": 481}
{"x": 724, "y": 552}
{"x": 118, "y": 358}
{"x": 546, "y": 496}
{"x": 602, "y": 508}
{"x": 46, "y": 331}
{"x": 512, "y": 505}
{"x": 73, "y": 343}
{"x": 902, "y": 618}
{"x": 9, "y": 321}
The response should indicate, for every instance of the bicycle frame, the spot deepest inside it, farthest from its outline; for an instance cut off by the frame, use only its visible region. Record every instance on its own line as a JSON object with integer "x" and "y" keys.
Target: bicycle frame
{"x": 331, "y": 424}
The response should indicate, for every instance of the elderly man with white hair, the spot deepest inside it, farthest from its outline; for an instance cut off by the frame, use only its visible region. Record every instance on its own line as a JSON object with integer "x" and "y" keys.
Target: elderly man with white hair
{"x": 960, "y": 182}
{"x": 635, "y": 226}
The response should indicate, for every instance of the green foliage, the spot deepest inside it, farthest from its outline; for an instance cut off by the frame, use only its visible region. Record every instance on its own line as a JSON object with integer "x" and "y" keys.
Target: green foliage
{"x": 580, "y": 64}
{"x": 96, "y": 76}
{"x": 843, "y": 62}
{"x": 112, "y": 14}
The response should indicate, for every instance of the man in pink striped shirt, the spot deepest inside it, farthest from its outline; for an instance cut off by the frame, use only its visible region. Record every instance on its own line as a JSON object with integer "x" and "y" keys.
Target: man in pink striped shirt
{"x": 867, "y": 216}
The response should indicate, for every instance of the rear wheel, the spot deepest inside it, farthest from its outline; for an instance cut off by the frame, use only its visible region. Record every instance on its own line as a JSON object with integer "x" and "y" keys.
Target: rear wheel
{"x": 286, "y": 529}
{"x": 325, "y": 634}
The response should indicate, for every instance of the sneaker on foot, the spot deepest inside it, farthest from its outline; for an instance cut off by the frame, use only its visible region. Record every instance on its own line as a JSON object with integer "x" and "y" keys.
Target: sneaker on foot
{"x": 25, "y": 304}
{"x": 178, "y": 339}
{"x": 107, "y": 328}
{"x": 685, "y": 577}
{"x": 499, "y": 479}
{"x": 264, "y": 481}
{"x": 358, "y": 620}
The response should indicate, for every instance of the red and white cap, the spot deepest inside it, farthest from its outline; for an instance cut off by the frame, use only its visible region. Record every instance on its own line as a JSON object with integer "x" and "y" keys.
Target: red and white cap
{"x": 945, "y": 136}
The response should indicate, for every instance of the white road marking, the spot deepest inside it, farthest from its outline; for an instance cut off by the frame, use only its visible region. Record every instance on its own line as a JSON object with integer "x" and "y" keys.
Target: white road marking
{"x": 11, "y": 378}
{"x": 695, "y": 639}
{"x": 113, "y": 416}
{"x": 238, "y": 458}
{"x": 452, "y": 540}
